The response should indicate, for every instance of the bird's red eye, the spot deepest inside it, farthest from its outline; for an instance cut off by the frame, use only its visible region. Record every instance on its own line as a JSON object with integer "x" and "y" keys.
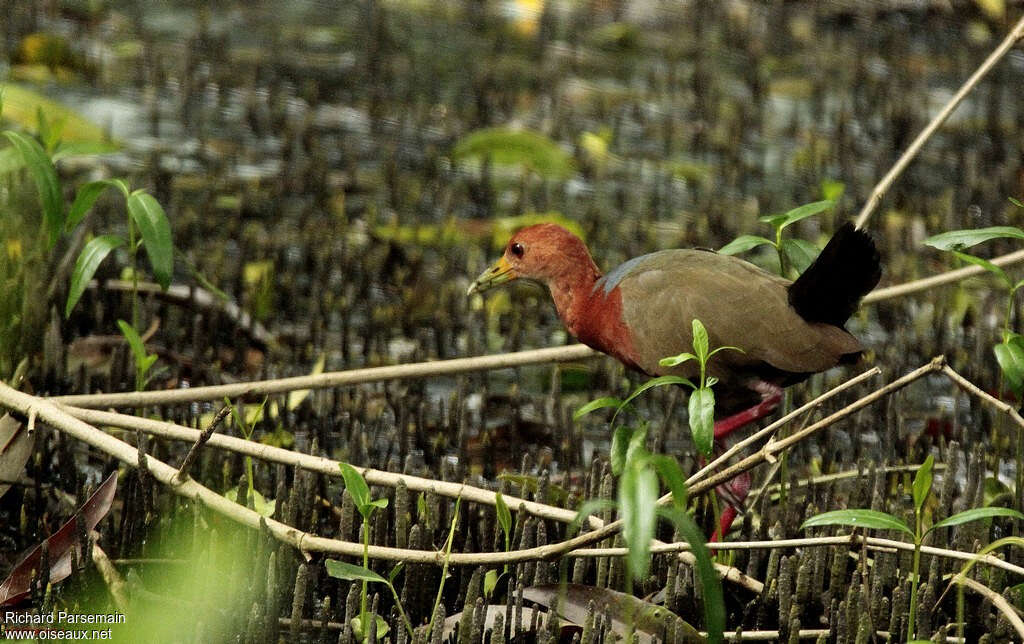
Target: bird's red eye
{"x": 517, "y": 249}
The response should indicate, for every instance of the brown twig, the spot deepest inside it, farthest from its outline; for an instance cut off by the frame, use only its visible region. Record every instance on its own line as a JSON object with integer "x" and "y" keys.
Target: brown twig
{"x": 333, "y": 379}
{"x": 186, "y": 463}
{"x": 886, "y": 182}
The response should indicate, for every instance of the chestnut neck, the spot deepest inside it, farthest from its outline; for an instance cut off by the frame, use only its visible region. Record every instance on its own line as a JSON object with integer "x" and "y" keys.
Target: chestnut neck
{"x": 571, "y": 290}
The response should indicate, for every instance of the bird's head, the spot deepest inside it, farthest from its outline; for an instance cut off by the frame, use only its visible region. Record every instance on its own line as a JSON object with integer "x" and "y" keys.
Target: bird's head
{"x": 543, "y": 252}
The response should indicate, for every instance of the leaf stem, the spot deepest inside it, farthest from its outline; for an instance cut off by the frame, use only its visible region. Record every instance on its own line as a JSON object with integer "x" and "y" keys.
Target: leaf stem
{"x": 916, "y": 571}
{"x": 444, "y": 568}
{"x": 364, "y": 630}
{"x": 401, "y": 611}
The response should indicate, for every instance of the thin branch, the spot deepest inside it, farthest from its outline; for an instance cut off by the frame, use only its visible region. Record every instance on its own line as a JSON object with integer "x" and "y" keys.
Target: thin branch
{"x": 874, "y": 543}
{"x": 774, "y": 447}
{"x": 333, "y": 379}
{"x": 949, "y": 277}
{"x": 984, "y": 396}
{"x": 883, "y": 186}
{"x": 58, "y": 418}
{"x": 317, "y": 464}
{"x": 852, "y": 474}
{"x": 199, "y": 298}
{"x": 997, "y": 600}
{"x": 186, "y": 463}
{"x": 446, "y": 367}
{"x": 331, "y": 467}
{"x": 735, "y": 449}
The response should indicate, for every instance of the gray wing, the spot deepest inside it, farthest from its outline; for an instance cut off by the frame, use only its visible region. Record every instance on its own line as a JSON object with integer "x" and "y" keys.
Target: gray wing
{"x": 739, "y": 304}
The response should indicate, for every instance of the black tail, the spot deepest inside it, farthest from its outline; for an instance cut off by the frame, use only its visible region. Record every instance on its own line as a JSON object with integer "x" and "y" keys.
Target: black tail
{"x": 830, "y": 289}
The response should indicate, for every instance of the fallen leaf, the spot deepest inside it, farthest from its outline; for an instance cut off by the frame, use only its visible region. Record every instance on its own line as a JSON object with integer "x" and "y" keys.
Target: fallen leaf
{"x": 451, "y": 624}
{"x": 652, "y": 622}
{"x": 18, "y": 584}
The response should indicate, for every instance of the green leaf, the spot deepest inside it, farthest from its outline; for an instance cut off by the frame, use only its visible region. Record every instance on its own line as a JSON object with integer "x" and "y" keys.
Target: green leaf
{"x": 41, "y": 169}
{"x": 351, "y": 572}
{"x": 673, "y": 361}
{"x": 711, "y": 585}
{"x": 660, "y": 381}
{"x": 86, "y": 197}
{"x": 960, "y": 239}
{"x": 490, "y": 582}
{"x": 743, "y": 243}
{"x": 236, "y": 414}
{"x": 148, "y": 362}
{"x": 356, "y": 487}
{"x": 43, "y": 129}
{"x": 1010, "y": 356}
{"x": 779, "y": 222}
{"x": 395, "y": 571}
{"x": 975, "y": 514}
{"x": 800, "y": 253}
{"x": 379, "y": 503}
{"x": 504, "y": 517}
{"x": 88, "y": 261}
{"x": 702, "y": 419}
{"x": 701, "y": 344}
{"x": 149, "y": 216}
{"x": 134, "y": 340}
{"x": 508, "y": 147}
{"x": 594, "y": 405}
{"x": 724, "y": 348}
{"x": 65, "y": 150}
{"x": 987, "y": 265}
{"x": 923, "y": 482}
{"x": 21, "y": 105}
{"x": 1016, "y": 202}
{"x": 260, "y": 505}
{"x": 638, "y": 498}
{"x": 858, "y": 519}
{"x": 636, "y": 450}
{"x": 671, "y": 474}
{"x": 590, "y": 507}
{"x": 832, "y": 190}
{"x": 357, "y": 626}
{"x": 620, "y": 445}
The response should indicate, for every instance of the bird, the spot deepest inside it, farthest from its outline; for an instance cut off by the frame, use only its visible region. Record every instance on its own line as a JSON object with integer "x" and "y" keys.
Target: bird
{"x": 642, "y": 311}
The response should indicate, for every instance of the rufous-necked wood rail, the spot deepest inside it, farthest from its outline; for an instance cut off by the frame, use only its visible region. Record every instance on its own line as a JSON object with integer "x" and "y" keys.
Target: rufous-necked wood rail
{"x": 642, "y": 311}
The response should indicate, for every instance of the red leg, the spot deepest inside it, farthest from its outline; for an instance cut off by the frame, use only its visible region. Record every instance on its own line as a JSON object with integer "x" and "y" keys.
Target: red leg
{"x": 771, "y": 396}
{"x": 734, "y": 493}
